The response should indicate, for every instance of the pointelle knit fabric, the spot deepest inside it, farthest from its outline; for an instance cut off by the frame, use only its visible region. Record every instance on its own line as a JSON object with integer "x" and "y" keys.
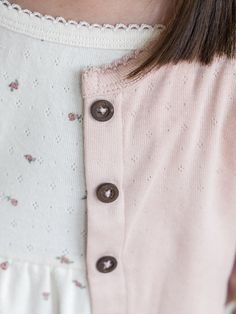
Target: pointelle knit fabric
{"x": 42, "y": 185}
{"x": 169, "y": 149}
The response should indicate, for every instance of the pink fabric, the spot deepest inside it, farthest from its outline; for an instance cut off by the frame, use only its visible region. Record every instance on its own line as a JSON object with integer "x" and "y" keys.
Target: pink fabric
{"x": 170, "y": 148}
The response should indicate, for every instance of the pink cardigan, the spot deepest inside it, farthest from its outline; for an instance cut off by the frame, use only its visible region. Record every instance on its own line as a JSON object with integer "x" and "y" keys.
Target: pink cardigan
{"x": 170, "y": 150}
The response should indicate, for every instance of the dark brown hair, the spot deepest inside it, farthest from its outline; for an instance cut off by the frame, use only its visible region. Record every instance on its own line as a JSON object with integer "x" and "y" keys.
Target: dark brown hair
{"x": 199, "y": 30}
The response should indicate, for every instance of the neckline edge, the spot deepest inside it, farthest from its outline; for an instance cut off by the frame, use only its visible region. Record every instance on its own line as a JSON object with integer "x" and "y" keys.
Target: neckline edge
{"x": 82, "y": 23}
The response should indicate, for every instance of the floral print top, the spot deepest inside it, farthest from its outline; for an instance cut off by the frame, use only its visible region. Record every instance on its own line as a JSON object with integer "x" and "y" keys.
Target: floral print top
{"x": 42, "y": 184}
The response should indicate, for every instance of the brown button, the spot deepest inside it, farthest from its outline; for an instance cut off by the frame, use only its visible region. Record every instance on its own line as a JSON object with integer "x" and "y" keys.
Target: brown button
{"x": 106, "y": 264}
{"x": 107, "y": 192}
{"x": 102, "y": 110}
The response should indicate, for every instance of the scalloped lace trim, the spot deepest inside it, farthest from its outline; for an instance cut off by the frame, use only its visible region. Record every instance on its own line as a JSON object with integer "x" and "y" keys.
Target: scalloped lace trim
{"x": 60, "y": 19}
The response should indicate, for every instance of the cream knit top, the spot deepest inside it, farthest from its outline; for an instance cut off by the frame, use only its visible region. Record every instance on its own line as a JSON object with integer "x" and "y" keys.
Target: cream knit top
{"x": 42, "y": 185}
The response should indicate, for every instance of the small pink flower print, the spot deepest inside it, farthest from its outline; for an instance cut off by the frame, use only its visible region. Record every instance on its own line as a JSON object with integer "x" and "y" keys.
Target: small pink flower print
{"x": 29, "y": 158}
{"x": 73, "y": 116}
{"x": 13, "y": 201}
{"x": 14, "y": 85}
{"x": 64, "y": 260}
{"x": 4, "y": 265}
{"x": 78, "y": 284}
{"x": 46, "y": 295}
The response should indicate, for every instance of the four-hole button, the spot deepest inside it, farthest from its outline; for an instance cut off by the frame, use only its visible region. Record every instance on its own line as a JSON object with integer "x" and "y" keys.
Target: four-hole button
{"x": 107, "y": 192}
{"x": 102, "y": 110}
{"x": 106, "y": 264}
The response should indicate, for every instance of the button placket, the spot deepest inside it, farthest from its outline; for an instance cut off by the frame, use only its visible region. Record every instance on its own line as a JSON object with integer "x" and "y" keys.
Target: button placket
{"x": 103, "y": 153}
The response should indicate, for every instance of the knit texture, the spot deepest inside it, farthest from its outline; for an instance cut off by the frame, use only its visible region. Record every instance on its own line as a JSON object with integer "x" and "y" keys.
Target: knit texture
{"x": 43, "y": 227}
{"x": 170, "y": 150}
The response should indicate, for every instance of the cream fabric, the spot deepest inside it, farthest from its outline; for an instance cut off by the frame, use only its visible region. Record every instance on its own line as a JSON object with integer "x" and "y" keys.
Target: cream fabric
{"x": 43, "y": 227}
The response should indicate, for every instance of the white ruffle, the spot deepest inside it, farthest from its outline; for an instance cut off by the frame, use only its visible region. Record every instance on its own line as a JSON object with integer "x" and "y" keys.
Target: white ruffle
{"x": 30, "y": 288}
